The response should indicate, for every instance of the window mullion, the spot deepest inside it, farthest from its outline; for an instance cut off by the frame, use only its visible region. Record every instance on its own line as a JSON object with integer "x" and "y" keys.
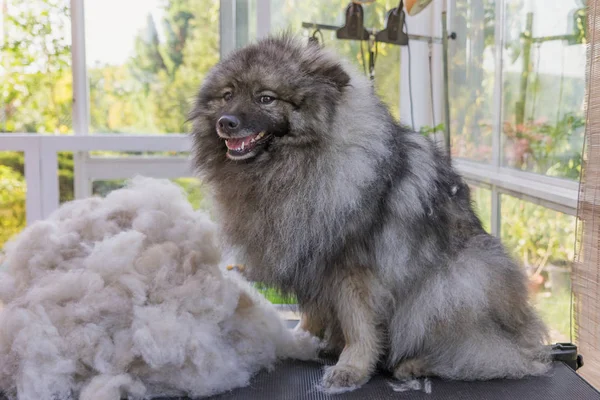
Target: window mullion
{"x": 498, "y": 84}
{"x": 497, "y": 133}
{"x": 81, "y": 98}
{"x": 227, "y": 28}
{"x": 263, "y": 18}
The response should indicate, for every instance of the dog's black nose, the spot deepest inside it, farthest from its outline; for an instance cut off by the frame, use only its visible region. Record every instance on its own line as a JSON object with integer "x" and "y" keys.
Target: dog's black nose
{"x": 228, "y": 123}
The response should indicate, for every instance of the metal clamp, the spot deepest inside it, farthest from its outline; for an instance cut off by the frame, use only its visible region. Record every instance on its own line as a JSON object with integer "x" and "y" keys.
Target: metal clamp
{"x": 567, "y": 353}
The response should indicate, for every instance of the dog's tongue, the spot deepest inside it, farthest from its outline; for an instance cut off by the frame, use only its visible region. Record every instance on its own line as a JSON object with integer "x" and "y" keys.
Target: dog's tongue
{"x": 237, "y": 143}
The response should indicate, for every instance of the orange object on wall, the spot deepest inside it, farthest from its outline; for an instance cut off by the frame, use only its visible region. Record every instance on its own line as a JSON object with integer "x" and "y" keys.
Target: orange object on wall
{"x": 413, "y": 7}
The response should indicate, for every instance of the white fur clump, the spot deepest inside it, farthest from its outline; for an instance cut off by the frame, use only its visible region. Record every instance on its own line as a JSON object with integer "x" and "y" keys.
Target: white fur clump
{"x": 123, "y": 296}
{"x": 412, "y": 384}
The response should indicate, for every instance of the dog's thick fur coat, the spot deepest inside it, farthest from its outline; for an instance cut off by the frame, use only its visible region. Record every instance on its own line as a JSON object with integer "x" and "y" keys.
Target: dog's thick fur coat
{"x": 123, "y": 297}
{"x": 366, "y": 222}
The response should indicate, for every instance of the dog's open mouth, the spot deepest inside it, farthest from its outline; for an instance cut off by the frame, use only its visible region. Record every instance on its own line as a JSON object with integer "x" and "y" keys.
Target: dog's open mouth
{"x": 244, "y": 147}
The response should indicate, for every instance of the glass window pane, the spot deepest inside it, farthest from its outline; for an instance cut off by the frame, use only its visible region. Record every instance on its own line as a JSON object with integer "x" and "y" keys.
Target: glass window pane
{"x": 544, "y": 86}
{"x": 542, "y": 240}
{"x": 145, "y": 69}
{"x": 12, "y": 195}
{"x": 245, "y": 22}
{"x": 471, "y": 79}
{"x": 482, "y": 199}
{"x": 35, "y": 66}
{"x": 289, "y": 14}
{"x": 66, "y": 188}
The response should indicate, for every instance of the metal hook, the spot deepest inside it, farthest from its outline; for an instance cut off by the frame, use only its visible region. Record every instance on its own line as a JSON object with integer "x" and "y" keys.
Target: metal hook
{"x": 313, "y": 38}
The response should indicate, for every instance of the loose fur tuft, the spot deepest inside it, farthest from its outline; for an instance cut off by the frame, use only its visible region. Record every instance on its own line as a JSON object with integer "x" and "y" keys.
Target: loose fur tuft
{"x": 366, "y": 222}
{"x": 123, "y": 297}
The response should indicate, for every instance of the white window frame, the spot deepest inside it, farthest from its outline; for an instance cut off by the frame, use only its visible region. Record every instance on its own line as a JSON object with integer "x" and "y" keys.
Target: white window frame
{"x": 41, "y": 150}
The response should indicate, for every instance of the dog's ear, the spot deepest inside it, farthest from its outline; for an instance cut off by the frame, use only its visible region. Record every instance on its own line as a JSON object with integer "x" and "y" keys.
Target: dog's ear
{"x": 325, "y": 67}
{"x": 333, "y": 73}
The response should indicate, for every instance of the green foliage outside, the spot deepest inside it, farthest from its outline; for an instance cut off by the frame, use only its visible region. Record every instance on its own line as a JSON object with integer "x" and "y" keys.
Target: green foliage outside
{"x": 539, "y": 236}
{"x": 543, "y": 241}
{"x": 36, "y": 85}
{"x": 273, "y": 295}
{"x": 12, "y": 203}
{"x": 482, "y": 201}
{"x": 554, "y": 308}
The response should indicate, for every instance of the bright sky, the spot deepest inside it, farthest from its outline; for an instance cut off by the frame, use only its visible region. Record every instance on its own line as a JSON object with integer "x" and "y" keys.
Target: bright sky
{"x": 112, "y": 25}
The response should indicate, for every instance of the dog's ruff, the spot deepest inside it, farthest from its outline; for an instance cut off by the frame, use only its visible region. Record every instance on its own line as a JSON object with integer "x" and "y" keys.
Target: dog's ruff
{"x": 124, "y": 296}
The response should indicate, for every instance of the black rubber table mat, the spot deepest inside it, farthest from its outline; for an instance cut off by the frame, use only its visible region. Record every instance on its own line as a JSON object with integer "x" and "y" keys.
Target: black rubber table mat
{"x": 297, "y": 380}
{"x": 291, "y": 380}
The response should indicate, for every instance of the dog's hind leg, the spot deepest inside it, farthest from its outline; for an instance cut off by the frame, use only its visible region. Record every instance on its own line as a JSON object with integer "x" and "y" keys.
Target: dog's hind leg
{"x": 311, "y": 322}
{"x": 357, "y": 314}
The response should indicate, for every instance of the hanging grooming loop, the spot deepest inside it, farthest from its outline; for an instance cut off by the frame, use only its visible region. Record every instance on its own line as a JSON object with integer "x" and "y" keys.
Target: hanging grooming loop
{"x": 313, "y": 39}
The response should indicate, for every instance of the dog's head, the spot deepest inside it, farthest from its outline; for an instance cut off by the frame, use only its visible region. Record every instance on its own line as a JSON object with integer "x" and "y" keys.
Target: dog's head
{"x": 275, "y": 95}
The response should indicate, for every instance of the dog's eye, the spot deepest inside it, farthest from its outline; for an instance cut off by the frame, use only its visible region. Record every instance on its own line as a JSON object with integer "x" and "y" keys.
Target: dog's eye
{"x": 264, "y": 99}
{"x": 227, "y": 96}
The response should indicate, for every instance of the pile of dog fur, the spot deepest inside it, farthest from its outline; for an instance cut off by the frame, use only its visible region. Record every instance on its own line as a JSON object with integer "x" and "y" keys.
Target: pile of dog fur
{"x": 124, "y": 296}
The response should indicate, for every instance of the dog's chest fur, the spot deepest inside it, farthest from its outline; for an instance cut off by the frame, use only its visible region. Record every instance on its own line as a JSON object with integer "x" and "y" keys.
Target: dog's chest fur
{"x": 294, "y": 222}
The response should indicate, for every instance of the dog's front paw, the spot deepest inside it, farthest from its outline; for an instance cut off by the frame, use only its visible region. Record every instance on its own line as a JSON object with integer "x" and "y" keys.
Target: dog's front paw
{"x": 343, "y": 378}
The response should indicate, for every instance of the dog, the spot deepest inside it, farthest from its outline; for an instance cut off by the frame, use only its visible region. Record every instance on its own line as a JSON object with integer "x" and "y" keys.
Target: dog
{"x": 329, "y": 198}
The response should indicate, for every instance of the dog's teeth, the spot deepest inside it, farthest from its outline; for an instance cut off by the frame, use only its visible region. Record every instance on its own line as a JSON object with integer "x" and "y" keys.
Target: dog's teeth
{"x": 242, "y": 145}
{"x": 261, "y": 134}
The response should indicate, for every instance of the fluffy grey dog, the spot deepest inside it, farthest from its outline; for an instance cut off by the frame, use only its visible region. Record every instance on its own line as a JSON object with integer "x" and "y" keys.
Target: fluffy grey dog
{"x": 366, "y": 222}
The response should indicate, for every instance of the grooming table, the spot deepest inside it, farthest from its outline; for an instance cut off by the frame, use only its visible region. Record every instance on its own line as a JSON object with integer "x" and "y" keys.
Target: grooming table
{"x": 297, "y": 380}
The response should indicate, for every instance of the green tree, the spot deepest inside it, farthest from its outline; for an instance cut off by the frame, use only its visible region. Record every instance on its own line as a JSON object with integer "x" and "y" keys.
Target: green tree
{"x": 35, "y": 95}
{"x": 178, "y": 26}
{"x": 12, "y": 203}
{"x": 152, "y": 92}
{"x": 147, "y": 61}
{"x": 36, "y": 85}
{"x": 193, "y": 48}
